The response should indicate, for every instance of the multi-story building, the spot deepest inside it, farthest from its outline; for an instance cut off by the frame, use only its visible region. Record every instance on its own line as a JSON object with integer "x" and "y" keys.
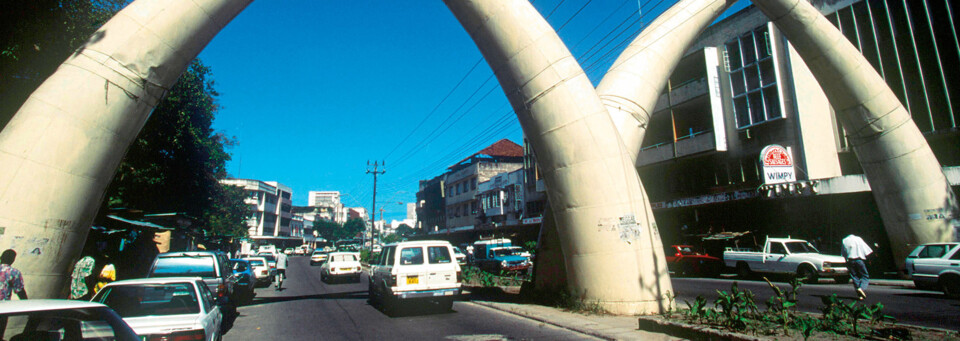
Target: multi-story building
{"x": 743, "y": 87}
{"x": 431, "y": 210}
{"x": 270, "y": 210}
{"x": 461, "y": 179}
{"x": 331, "y": 208}
{"x": 534, "y": 191}
{"x": 501, "y": 200}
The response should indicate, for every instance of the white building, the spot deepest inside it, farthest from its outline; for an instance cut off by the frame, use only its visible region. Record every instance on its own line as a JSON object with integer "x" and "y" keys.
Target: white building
{"x": 501, "y": 200}
{"x": 330, "y": 206}
{"x": 270, "y": 219}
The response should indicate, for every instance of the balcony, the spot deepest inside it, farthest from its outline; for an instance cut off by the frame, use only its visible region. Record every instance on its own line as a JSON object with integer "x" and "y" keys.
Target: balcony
{"x": 686, "y": 145}
{"x": 682, "y": 92}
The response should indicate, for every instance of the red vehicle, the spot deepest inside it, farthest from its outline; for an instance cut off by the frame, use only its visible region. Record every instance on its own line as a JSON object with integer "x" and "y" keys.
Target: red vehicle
{"x": 681, "y": 259}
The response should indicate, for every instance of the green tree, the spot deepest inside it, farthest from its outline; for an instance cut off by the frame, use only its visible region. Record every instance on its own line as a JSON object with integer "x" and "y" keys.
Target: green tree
{"x": 327, "y": 229}
{"x": 177, "y": 159}
{"x": 405, "y": 231}
{"x": 352, "y": 228}
{"x": 36, "y": 36}
{"x": 392, "y": 238}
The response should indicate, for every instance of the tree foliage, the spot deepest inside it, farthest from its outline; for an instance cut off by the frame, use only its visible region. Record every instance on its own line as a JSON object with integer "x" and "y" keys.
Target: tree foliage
{"x": 36, "y": 36}
{"x": 354, "y": 227}
{"x": 333, "y": 232}
{"x": 405, "y": 231}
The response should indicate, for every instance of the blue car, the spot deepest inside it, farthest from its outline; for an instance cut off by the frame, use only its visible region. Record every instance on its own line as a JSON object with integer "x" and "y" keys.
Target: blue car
{"x": 246, "y": 280}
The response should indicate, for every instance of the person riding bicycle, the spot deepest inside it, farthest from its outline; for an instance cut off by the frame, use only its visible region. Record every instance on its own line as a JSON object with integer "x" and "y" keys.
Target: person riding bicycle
{"x": 281, "y": 269}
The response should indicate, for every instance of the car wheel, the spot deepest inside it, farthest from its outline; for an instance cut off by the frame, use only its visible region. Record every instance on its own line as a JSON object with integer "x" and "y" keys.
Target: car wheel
{"x": 372, "y": 295}
{"x": 807, "y": 274}
{"x": 743, "y": 270}
{"x": 950, "y": 286}
{"x": 445, "y": 305}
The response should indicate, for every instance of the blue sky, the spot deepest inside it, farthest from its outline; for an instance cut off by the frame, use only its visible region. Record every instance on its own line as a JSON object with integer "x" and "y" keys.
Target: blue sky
{"x": 314, "y": 89}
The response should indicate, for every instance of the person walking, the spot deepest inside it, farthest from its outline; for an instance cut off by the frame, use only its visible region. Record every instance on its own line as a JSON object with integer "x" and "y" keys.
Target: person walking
{"x": 11, "y": 280}
{"x": 281, "y": 269}
{"x": 79, "y": 286}
{"x": 855, "y": 251}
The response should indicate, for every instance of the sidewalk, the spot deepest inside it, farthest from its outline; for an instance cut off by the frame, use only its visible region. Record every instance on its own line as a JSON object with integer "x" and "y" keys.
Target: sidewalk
{"x": 600, "y": 326}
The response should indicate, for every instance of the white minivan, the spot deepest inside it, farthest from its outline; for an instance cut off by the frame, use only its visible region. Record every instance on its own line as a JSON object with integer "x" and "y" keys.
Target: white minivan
{"x": 415, "y": 272}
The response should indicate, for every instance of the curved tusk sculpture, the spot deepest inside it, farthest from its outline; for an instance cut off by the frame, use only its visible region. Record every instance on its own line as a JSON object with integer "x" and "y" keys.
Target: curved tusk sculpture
{"x": 61, "y": 149}
{"x": 912, "y": 193}
{"x": 631, "y": 87}
{"x": 592, "y": 184}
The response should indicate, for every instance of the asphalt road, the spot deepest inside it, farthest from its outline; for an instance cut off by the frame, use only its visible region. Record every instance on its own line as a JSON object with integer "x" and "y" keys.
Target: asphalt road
{"x": 308, "y": 309}
{"x": 908, "y": 306}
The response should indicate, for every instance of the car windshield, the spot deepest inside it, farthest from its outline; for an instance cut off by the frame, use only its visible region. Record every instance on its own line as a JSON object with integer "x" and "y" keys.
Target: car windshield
{"x": 801, "y": 247}
{"x": 135, "y": 300}
{"x": 200, "y": 266}
{"x": 255, "y": 262}
{"x": 343, "y": 258}
{"x": 506, "y": 251}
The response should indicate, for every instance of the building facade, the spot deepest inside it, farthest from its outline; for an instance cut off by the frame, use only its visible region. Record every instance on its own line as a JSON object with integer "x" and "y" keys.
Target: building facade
{"x": 501, "y": 200}
{"x": 270, "y": 206}
{"x": 331, "y": 209}
{"x": 742, "y": 87}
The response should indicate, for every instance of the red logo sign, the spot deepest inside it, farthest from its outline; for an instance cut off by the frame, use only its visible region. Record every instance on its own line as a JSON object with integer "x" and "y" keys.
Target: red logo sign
{"x": 774, "y": 156}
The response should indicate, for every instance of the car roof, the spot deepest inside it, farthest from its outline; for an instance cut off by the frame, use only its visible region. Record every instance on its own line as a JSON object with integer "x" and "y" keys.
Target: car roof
{"x": 237, "y": 260}
{"x": 255, "y": 258}
{"x": 190, "y": 253}
{"x": 156, "y": 280}
{"x": 419, "y": 243}
{"x": 22, "y": 306}
{"x": 343, "y": 253}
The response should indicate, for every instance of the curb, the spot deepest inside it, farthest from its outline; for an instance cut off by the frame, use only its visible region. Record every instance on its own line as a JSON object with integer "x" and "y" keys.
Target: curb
{"x": 690, "y": 331}
{"x": 545, "y": 321}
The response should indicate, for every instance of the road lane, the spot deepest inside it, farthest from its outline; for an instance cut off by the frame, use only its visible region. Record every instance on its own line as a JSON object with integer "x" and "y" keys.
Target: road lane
{"x": 308, "y": 309}
{"x": 908, "y": 306}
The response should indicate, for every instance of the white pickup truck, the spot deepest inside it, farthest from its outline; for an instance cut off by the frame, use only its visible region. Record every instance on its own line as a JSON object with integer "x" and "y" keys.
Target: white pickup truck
{"x": 788, "y": 256}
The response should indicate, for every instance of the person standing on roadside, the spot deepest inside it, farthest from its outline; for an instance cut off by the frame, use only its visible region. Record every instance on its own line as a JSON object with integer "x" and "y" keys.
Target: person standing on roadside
{"x": 281, "y": 269}
{"x": 855, "y": 251}
{"x": 11, "y": 280}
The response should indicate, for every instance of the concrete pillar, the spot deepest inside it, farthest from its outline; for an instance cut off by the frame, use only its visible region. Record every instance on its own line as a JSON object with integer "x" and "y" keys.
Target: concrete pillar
{"x": 606, "y": 236}
{"x": 61, "y": 149}
{"x": 912, "y": 193}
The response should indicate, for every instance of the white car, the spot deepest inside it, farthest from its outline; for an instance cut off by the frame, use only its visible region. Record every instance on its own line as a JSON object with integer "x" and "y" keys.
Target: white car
{"x": 341, "y": 265}
{"x": 936, "y": 266}
{"x": 288, "y": 251}
{"x": 318, "y": 257}
{"x": 461, "y": 257}
{"x": 415, "y": 272}
{"x": 63, "y": 319}
{"x": 261, "y": 269}
{"x": 172, "y": 308}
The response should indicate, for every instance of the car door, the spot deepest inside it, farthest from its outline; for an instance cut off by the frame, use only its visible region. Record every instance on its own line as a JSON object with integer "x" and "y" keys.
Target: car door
{"x": 411, "y": 268}
{"x": 931, "y": 260}
{"x": 212, "y": 317}
{"x": 384, "y": 266}
{"x": 776, "y": 259}
{"x": 441, "y": 267}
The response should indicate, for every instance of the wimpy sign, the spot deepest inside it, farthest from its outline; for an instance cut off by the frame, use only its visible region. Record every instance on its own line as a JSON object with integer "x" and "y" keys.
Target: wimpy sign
{"x": 777, "y": 165}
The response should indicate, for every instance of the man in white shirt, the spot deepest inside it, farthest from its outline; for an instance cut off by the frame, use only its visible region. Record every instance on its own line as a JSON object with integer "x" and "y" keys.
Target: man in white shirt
{"x": 855, "y": 251}
{"x": 281, "y": 269}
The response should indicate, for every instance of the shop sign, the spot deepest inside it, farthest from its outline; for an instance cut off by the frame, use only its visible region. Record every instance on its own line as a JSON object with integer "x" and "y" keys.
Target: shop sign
{"x": 705, "y": 199}
{"x": 777, "y": 165}
{"x": 534, "y": 220}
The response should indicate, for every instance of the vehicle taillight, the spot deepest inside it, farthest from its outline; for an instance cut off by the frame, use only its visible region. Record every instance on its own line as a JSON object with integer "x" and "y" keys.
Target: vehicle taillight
{"x": 393, "y": 280}
{"x": 459, "y": 276}
{"x": 359, "y": 268}
{"x": 189, "y": 335}
{"x": 221, "y": 290}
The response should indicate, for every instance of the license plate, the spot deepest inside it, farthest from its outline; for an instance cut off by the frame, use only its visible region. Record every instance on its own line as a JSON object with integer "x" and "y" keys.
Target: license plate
{"x": 413, "y": 280}
{"x": 346, "y": 269}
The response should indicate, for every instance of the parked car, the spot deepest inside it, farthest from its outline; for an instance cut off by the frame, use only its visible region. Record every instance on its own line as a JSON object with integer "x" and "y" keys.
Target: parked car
{"x": 212, "y": 266}
{"x": 261, "y": 269}
{"x": 415, "y": 272}
{"x": 460, "y": 256}
{"x": 936, "y": 266}
{"x": 341, "y": 265}
{"x": 63, "y": 319}
{"x": 246, "y": 280}
{"x": 681, "y": 259}
{"x": 173, "y": 308}
{"x": 271, "y": 260}
{"x": 271, "y": 249}
{"x": 788, "y": 256}
{"x": 499, "y": 255}
{"x": 318, "y": 257}
{"x": 288, "y": 251}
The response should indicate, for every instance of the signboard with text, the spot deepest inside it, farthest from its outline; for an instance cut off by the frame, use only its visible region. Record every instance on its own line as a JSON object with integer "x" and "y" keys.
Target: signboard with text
{"x": 777, "y": 165}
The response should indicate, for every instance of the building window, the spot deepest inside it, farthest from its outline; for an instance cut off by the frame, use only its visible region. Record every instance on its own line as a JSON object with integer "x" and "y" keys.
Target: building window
{"x": 473, "y": 184}
{"x": 753, "y": 80}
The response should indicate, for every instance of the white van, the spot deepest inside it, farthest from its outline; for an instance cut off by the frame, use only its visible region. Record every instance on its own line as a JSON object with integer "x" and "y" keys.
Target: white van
{"x": 267, "y": 249}
{"x": 417, "y": 271}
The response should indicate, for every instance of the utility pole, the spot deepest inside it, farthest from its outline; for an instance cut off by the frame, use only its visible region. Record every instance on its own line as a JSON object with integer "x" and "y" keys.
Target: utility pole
{"x": 373, "y": 212}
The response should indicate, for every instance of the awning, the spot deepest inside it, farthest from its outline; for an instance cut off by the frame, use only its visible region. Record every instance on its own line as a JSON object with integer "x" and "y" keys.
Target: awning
{"x": 139, "y": 223}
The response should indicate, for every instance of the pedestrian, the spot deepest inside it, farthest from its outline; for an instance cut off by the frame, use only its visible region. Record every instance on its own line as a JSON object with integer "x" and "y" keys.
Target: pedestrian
{"x": 11, "y": 280}
{"x": 281, "y": 268}
{"x": 79, "y": 288}
{"x": 855, "y": 251}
